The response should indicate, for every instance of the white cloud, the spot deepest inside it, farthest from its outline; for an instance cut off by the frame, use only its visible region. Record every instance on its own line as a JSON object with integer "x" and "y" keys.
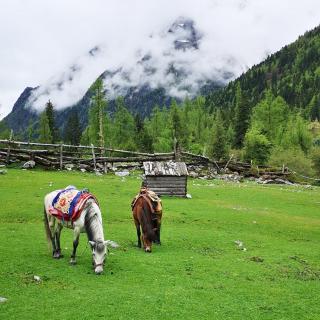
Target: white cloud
{"x": 40, "y": 40}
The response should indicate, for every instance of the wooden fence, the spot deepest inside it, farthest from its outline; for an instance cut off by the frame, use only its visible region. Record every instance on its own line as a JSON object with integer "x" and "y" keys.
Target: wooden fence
{"x": 57, "y": 156}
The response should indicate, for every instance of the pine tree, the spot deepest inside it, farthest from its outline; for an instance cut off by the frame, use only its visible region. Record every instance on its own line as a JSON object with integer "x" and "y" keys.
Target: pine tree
{"x": 218, "y": 148}
{"x": 72, "y": 131}
{"x": 45, "y": 135}
{"x": 270, "y": 116}
{"x": 143, "y": 137}
{"x": 314, "y": 108}
{"x": 97, "y": 115}
{"x": 176, "y": 124}
{"x": 49, "y": 109}
{"x": 123, "y": 127}
{"x": 241, "y": 121}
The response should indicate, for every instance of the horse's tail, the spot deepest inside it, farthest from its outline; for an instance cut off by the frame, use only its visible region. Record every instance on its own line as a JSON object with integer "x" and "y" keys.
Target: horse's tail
{"x": 147, "y": 223}
{"x": 46, "y": 227}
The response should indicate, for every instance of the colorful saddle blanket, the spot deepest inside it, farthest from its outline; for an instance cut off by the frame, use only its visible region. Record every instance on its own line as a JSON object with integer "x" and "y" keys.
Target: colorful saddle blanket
{"x": 69, "y": 203}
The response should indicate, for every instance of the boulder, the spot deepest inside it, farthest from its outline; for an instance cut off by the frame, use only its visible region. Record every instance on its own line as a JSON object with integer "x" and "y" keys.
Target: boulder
{"x": 29, "y": 165}
{"x": 123, "y": 173}
{"x": 193, "y": 174}
{"x": 84, "y": 167}
{"x": 69, "y": 166}
{"x": 2, "y": 299}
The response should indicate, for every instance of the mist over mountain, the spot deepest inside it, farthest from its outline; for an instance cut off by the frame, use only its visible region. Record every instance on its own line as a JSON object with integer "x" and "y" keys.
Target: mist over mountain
{"x": 171, "y": 64}
{"x": 171, "y": 59}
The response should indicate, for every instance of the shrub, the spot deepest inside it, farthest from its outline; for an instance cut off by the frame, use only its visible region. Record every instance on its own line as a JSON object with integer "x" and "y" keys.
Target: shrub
{"x": 315, "y": 156}
{"x": 293, "y": 158}
{"x": 256, "y": 147}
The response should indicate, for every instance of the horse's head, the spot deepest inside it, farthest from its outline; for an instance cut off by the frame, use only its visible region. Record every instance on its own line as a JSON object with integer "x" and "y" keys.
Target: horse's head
{"x": 99, "y": 253}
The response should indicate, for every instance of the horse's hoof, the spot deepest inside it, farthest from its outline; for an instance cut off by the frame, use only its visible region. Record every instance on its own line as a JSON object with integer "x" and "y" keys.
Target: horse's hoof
{"x": 57, "y": 255}
{"x": 148, "y": 250}
{"x": 73, "y": 262}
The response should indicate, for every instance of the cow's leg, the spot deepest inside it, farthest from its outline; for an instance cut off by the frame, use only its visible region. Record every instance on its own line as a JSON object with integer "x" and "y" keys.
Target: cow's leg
{"x": 76, "y": 236}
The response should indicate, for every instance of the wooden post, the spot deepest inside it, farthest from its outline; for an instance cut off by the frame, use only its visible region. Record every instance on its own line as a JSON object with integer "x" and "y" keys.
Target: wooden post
{"x": 93, "y": 157}
{"x": 61, "y": 156}
{"x": 226, "y": 166}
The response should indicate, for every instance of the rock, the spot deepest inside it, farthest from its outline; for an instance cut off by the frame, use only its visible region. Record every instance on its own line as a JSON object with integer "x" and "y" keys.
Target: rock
{"x": 84, "y": 166}
{"x": 188, "y": 195}
{"x": 83, "y": 170}
{"x": 109, "y": 166}
{"x": 69, "y": 166}
{"x": 3, "y": 171}
{"x": 98, "y": 173}
{"x": 240, "y": 245}
{"x": 123, "y": 173}
{"x": 36, "y": 278}
{"x": 274, "y": 181}
{"x": 193, "y": 174}
{"x": 282, "y": 181}
{"x": 29, "y": 165}
{"x": 256, "y": 259}
{"x": 2, "y": 299}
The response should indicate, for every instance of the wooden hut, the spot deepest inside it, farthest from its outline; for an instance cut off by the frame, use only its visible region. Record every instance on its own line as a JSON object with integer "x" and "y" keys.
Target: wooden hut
{"x": 166, "y": 178}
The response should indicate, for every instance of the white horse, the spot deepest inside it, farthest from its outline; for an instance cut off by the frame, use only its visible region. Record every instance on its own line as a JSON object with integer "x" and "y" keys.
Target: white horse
{"x": 89, "y": 221}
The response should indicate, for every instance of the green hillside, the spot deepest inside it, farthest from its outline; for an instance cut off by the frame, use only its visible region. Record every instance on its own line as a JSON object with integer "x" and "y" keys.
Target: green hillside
{"x": 292, "y": 73}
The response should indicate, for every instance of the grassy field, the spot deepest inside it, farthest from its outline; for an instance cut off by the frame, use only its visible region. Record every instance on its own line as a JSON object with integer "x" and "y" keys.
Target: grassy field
{"x": 199, "y": 272}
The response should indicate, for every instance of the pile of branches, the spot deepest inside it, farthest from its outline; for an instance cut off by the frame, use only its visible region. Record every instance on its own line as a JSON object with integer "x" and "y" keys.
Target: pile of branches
{"x": 60, "y": 156}
{"x": 91, "y": 158}
{"x": 238, "y": 168}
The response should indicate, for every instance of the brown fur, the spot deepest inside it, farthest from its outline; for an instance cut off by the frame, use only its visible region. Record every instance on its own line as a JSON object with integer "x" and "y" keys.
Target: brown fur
{"x": 142, "y": 216}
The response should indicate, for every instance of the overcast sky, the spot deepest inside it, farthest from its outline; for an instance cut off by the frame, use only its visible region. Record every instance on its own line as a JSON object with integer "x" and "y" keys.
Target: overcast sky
{"x": 42, "y": 39}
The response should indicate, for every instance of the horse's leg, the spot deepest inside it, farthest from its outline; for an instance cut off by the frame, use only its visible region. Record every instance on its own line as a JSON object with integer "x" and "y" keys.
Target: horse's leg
{"x": 76, "y": 235}
{"x": 58, "y": 234}
{"x": 52, "y": 227}
{"x": 158, "y": 241}
{"x": 137, "y": 223}
{"x": 159, "y": 216}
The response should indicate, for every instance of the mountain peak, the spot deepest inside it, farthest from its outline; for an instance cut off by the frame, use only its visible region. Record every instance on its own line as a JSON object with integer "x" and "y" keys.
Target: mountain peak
{"x": 185, "y": 34}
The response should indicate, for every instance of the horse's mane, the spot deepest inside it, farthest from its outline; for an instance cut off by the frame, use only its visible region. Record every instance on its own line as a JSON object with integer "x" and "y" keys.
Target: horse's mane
{"x": 93, "y": 223}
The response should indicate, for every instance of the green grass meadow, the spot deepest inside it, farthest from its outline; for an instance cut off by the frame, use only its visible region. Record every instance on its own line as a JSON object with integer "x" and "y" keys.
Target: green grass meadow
{"x": 197, "y": 273}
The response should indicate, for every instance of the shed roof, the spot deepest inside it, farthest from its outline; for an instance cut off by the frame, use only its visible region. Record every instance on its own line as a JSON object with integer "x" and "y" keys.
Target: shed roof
{"x": 169, "y": 168}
